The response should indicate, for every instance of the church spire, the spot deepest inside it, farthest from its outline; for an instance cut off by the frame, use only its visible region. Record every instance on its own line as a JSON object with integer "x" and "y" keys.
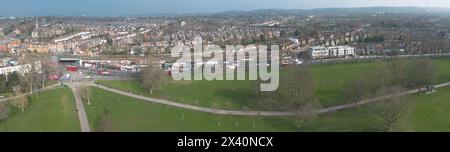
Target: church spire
{"x": 37, "y": 23}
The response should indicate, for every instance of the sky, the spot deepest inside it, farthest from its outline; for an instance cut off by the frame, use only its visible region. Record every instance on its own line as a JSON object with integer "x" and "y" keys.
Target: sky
{"x": 153, "y": 7}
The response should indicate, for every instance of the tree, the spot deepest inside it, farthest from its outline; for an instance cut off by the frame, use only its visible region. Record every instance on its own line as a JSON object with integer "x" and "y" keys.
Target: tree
{"x": 29, "y": 77}
{"x": 46, "y": 71}
{"x": 297, "y": 88}
{"x": 297, "y": 32}
{"x": 152, "y": 77}
{"x": 395, "y": 70}
{"x": 13, "y": 80}
{"x": 21, "y": 102}
{"x": 262, "y": 38}
{"x": 390, "y": 73}
{"x": 306, "y": 114}
{"x": 264, "y": 99}
{"x": 3, "y": 86}
{"x": 85, "y": 93}
{"x": 356, "y": 90}
{"x": 420, "y": 72}
{"x": 394, "y": 108}
{"x": 4, "y": 111}
{"x": 296, "y": 93}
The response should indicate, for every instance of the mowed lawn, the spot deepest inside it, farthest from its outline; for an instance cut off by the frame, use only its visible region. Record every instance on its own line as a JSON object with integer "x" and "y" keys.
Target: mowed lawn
{"x": 217, "y": 94}
{"x": 330, "y": 80}
{"x": 433, "y": 111}
{"x": 430, "y": 113}
{"x": 53, "y": 111}
{"x": 122, "y": 113}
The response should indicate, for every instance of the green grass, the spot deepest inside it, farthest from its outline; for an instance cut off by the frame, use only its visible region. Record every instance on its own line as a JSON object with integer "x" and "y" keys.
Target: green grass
{"x": 430, "y": 113}
{"x": 53, "y": 111}
{"x": 443, "y": 66}
{"x": 129, "y": 114}
{"x": 330, "y": 80}
{"x": 433, "y": 111}
{"x": 218, "y": 94}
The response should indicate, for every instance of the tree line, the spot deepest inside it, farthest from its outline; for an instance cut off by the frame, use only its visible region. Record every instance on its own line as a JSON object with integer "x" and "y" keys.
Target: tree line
{"x": 393, "y": 78}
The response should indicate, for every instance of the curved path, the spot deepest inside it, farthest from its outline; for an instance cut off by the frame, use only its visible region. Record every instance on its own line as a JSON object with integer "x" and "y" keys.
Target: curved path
{"x": 252, "y": 113}
{"x": 28, "y": 93}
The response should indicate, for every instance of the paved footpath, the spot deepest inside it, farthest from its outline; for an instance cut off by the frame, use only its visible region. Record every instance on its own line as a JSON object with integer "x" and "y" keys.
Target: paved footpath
{"x": 79, "y": 105}
{"x": 28, "y": 93}
{"x": 254, "y": 113}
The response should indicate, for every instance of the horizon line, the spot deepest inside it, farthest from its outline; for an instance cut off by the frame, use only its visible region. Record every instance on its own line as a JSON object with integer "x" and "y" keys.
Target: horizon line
{"x": 170, "y": 14}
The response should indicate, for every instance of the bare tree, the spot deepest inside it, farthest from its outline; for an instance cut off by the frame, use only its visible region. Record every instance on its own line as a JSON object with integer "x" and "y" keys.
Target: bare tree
{"x": 356, "y": 90}
{"x": 29, "y": 77}
{"x": 296, "y": 92}
{"x": 264, "y": 99}
{"x": 85, "y": 93}
{"x": 389, "y": 73}
{"x": 306, "y": 114}
{"x": 46, "y": 71}
{"x": 394, "y": 108}
{"x": 420, "y": 72}
{"x": 395, "y": 70}
{"x": 4, "y": 111}
{"x": 21, "y": 102}
{"x": 298, "y": 89}
{"x": 152, "y": 77}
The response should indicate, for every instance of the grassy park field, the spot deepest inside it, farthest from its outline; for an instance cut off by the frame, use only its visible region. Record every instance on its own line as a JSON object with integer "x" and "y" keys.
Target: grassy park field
{"x": 330, "y": 80}
{"x": 53, "y": 111}
{"x": 113, "y": 112}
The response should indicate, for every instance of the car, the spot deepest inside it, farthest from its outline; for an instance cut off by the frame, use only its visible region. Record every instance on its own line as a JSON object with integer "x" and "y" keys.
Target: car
{"x": 297, "y": 61}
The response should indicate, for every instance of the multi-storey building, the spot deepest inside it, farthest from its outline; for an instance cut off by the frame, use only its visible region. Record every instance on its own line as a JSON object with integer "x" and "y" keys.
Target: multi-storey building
{"x": 320, "y": 52}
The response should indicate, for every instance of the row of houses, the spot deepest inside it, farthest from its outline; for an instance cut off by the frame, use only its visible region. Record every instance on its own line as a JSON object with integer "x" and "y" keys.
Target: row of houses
{"x": 321, "y": 52}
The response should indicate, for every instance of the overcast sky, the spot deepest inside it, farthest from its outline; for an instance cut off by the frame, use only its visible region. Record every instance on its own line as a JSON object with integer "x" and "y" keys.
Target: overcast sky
{"x": 147, "y": 7}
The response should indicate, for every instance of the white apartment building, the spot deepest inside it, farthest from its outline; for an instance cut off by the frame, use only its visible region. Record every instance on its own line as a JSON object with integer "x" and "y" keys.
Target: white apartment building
{"x": 320, "y": 52}
{"x": 21, "y": 69}
{"x": 341, "y": 51}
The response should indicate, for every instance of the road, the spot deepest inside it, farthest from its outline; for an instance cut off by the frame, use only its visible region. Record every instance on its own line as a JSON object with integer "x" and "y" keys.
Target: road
{"x": 79, "y": 105}
{"x": 255, "y": 113}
